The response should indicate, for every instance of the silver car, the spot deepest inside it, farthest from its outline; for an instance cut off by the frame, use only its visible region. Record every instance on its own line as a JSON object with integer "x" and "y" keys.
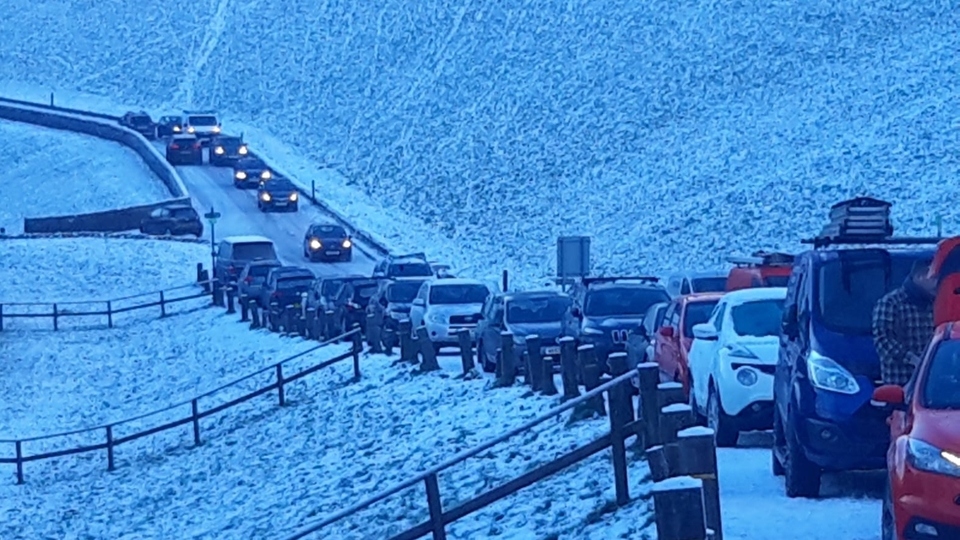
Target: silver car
{"x": 253, "y": 276}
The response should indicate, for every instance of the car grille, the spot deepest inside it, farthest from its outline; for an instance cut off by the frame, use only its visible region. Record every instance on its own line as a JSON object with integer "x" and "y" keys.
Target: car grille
{"x": 470, "y": 320}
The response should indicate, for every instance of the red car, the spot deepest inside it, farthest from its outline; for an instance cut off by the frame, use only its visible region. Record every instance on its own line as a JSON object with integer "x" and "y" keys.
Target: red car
{"x": 674, "y": 338}
{"x": 923, "y": 460}
{"x": 762, "y": 269}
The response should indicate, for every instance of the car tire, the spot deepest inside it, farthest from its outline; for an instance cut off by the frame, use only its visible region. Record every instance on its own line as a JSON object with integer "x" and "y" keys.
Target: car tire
{"x": 721, "y": 424}
{"x": 168, "y": 232}
{"x": 698, "y": 418}
{"x": 350, "y": 256}
{"x": 775, "y": 465}
{"x": 888, "y": 522}
{"x": 486, "y": 366}
{"x": 801, "y": 478}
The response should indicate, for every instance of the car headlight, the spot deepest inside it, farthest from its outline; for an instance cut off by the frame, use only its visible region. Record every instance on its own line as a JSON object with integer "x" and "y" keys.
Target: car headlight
{"x": 191, "y": 129}
{"x": 294, "y": 196}
{"x": 927, "y": 457}
{"x": 346, "y": 244}
{"x": 436, "y": 318}
{"x": 216, "y": 129}
{"x": 241, "y": 175}
{"x": 218, "y": 150}
{"x": 265, "y": 197}
{"x": 242, "y": 151}
{"x": 590, "y": 331}
{"x": 266, "y": 175}
{"x": 176, "y": 129}
{"x": 747, "y": 376}
{"x": 315, "y": 244}
{"x": 828, "y": 375}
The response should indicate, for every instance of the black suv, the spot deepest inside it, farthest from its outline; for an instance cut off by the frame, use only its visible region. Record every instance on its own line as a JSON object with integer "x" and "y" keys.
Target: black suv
{"x": 174, "y": 219}
{"x": 277, "y": 194}
{"x": 226, "y": 150}
{"x": 394, "y": 298}
{"x": 325, "y": 290}
{"x": 608, "y": 308}
{"x": 249, "y": 171}
{"x": 409, "y": 265}
{"x": 285, "y": 285}
{"x": 350, "y": 304}
{"x": 184, "y": 150}
{"x": 141, "y": 123}
{"x": 168, "y": 126}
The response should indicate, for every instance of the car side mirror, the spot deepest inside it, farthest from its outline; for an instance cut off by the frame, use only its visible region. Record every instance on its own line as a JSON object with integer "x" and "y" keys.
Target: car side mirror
{"x": 666, "y": 331}
{"x": 704, "y": 331}
{"x": 891, "y": 394}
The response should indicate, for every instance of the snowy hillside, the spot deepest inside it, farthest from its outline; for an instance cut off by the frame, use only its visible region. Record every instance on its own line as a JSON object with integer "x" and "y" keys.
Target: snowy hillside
{"x": 672, "y": 133}
{"x": 51, "y": 172}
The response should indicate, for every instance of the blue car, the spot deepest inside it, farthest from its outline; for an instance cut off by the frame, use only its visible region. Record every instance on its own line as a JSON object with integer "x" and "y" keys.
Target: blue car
{"x": 828, "y": 367}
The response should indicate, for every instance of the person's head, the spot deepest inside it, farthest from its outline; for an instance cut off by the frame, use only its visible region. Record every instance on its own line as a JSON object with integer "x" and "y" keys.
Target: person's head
{"x": 920, "y": 275}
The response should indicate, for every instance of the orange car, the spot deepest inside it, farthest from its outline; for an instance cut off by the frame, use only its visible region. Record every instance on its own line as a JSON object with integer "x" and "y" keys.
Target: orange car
{"x": 923, "y": 460}
{"x": 674, "y": 338}
{"x": 762, "y": 269}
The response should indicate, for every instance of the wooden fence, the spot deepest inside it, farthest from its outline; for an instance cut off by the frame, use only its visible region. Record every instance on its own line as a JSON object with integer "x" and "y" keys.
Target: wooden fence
{"x": 110, "y": 442}
{"x": 682, "y": 457}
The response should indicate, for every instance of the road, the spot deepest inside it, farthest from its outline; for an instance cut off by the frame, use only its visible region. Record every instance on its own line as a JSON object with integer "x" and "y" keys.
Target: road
{"x": 213, "y": 187}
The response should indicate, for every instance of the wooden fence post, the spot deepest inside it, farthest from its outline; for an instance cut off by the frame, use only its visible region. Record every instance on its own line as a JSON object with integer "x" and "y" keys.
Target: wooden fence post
{"x": 568, "y": 367}
{"x": 534, "y": 365}
{"x": 19, "y": 448}
{"x": 375, "y": 331}
{"x": 205, "y": 281}
{"x": 357, "y": 349}
{"x": 217, "y": 295}
{"x": 678, "y": 507}
{"x": 621, "y": 414}
{"x": 311, "y": 323}
{"x": 110, "y": 448}
{"x": 673, "y": 419}
{"x": 427, "y": 352}
{"x": 290, "y": 320}
{"x": 330, "y": 330}
{"x": 1, "y": 317}
{"x": 465, "y": 341}
{"x": 271, "y": 319}
{"x": 548, "y": 387}
{"x": 109, "y": 314}
{"x": 280, "y": 395}
{"x": 56, "y": 317}
{"x": 301, "y": 326}
{"x": 435, "y": 506}
{"x": 195, "y": 414}
{"x": 244, "y": 308}
{"x": 406, "y": 346}
{"x": 669, "y": 393}
{"x": 507, "y": 362}
{"x": 590, "y": 371}
{"x": 649, "y": 374}
{"x": 698, "y": 458}
{"x": 254, "y": 315}
{"x": 199, "y": 272}
{"x": 163, "y": 306}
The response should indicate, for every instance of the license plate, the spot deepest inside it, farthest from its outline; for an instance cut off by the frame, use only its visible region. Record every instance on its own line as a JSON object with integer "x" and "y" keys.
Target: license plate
{"x": 551, "y": 350}
{"x": 333, "y": 253}
{"x": 281, "y": 203}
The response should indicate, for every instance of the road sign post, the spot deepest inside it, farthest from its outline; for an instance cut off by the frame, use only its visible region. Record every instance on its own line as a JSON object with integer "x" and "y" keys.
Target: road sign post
{"x": 573, "y": 258}
{"x": 212, "y": 216}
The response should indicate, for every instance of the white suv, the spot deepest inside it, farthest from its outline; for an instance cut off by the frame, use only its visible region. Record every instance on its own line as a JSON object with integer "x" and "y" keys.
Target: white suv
{"x": 445, "y": 306}
{"x": 203, "y": 124}
{"x": 732, "y": 362}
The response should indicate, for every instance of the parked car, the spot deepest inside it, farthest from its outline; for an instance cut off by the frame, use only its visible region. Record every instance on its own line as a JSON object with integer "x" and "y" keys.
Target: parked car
{"x": 394, "y": 298}
{"x": 325, "y": 289}
{"x": 409, "y": 265}
{"x": 732, "y": 361}
{"x": 168, "y": 126}
{"x": 671, "y": 347}
{"x": 173, "y": 220}
{"x": 828, "y": 367}
{"x": 184, "y": 150}
{"x": 285, "y": 285}
{"x": 327, "y": 242}
{"x": 445, "y": 306}
{"x": 640, "y": 340}
{"x": 350, "y": 304}
{"x": 141, "y": 123}
{"x": 607, "y": 308}
{"x": 542, "y": 313}
{"x": 253, "y": 276}
{"x": 234, "y": 252}
{"x": 696, "y": 282}
{"x": 225, "y": 150}
{"x": 249, "y": 171}
{"x": 762, "y": 269}
{"x": 277, "y": 194}
{"x": 204, "y": 124}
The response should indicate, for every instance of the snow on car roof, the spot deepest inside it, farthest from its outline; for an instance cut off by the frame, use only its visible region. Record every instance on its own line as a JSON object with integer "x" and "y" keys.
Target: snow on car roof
{"x": 249, "y": 239}
{"x": 457, "y": 281}
{"x": 757, "y": 293}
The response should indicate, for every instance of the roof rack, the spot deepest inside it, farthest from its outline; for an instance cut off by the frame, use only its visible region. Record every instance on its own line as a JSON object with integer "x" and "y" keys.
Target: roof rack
{"x": 763, "y": 258}
{"x": 826, "y": 241}
{"x": 418, "y": 255}
{"x": 613, "y": 279}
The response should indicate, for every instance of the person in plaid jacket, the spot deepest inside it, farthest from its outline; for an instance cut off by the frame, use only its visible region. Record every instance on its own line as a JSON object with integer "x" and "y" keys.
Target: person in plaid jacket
{"x": 903, "y": 325}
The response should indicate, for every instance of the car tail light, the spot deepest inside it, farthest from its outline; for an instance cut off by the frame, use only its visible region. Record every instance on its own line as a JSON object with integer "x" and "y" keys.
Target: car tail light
{"x": 196, "y": 146}
{"x": 174, "y": 146}
{"x": 248, "y": 280}
{"x": 232, "y": 269}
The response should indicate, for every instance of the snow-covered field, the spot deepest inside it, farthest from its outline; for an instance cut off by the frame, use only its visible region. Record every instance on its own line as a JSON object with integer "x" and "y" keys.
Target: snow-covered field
{"x": 503, "y": 126}
{"x": 51, "y": 172}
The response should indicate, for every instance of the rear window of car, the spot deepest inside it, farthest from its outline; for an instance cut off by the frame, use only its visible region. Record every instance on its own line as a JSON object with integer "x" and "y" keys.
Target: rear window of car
{"x": 202, "y": 120}
{"x": 261, "y": 270}
{"x": 140, "y": 120}
{"x": 409, "y": 269}
{"x": 710, "y": 284}
{"x": 251, "y": 163}
{"x": 254, "y": 250}
{"x": 329, "y": 230}
{"x": 295, "y": 281}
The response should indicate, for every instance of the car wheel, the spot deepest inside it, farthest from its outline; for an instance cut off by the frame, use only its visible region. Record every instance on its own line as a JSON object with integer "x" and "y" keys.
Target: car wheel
{"x": 168, "y": 232}
{"x": 888, "y": 522}
{"x": 485, "y": 364}
{"x": 801, "y": 477}
{"x": 775, "y": 465}
{"x": 698, "y": 418}
{"x": 717, "y": 420}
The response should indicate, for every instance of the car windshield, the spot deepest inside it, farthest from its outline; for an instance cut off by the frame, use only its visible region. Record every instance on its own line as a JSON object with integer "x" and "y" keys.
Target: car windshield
{"x": 696, "y": 313}
{"x": 229, "y": 143}
{"x": 760, "y": 318}
{"x": 203, "y": 120}
{"x": 458, "y": 294}
{"x": 622, "y": 301}
{"x": 294, "y": 281}
{"x": 170, "y": 120}
{"x": 941, "y": 386}
{"x": 410, "y": 269}
{"x": 537, "y": 310}
{"x": 251, "y": 163}
{"x": 363, "y": 291}
{"x": 261, "y": 270}
{"x": 403, "y": 292}
{"x": 850, "y": 286}
{"x": 329, "y": 231}
{"x": 185, "y": 213}
{"x": 775, "y": 281}
{"x": 710, "y": 284}
{"x": 140, "y": 120}
{"x": 249, "y": 251}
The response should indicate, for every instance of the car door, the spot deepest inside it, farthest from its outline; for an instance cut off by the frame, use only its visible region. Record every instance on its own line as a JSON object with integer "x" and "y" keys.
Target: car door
{"x": 419, "y": 306}
{"x": 267, "y": 289}
{"x": 661, "y": 347}
{"x": 790, "y": 341}
{"x": 493, "y": 320}
{"x": 699, "y": 359}
{"x": 710, "y": 353}
{"x": 671, "y": 343}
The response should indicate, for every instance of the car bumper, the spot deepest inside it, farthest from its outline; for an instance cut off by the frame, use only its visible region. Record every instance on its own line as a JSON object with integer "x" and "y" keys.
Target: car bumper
{"x": 274, "y": 205}
{"x": 738, "y": 398}
{"x": 926, "y": 505}
{"x": 448, "y": 335}
{"x": 329, "y": 254}
{"x": 857, "y": 444}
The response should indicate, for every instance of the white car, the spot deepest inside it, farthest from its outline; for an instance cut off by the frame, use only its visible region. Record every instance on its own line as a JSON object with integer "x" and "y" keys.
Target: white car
{"x": 445, "y": 306}
{"x": 732, "y": 363}
{"x": 203, "y": 124}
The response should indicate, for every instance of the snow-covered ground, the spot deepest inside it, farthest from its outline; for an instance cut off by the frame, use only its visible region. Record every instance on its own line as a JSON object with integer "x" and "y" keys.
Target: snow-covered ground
{"x": 51, "y": 172}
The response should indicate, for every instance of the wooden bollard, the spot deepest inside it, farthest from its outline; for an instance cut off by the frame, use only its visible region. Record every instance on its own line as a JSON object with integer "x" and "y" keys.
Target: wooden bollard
{"x": 657, "y": 462}
{"x": 673, "y": 419}
{"x": 375, "y": 332}
{"x": 568, "y": 368}
{"x": 591, "y": 380}
{"x": 389, "y": 340}
{"x": 698, "y": 458}
{"x": 205, "y": 280}
{"x": 329, "y": 325}
{"x": 301, "y": 327}
{"x": 231, "y": 300}
{"x": 255, "y": 322}
{"x": 548, "y": 386}
{"x": 649, "y": 375}
{"x": 507, "y": 362}
{"x": 407, "y": 352}
{"x": 289, "y": 320}
{"x": 678, "y": 507}
{"x": 244, "y": 308}
{"x": 586, "y": 355}
{"x": 621, "y": 414}
{"x": 200, "y": 273}
{"x": 273, "y": 317}
{"x": 465, "y": 341}
{"x": 534, "y": 373}
{"x": 669, "y": 393}
{"x": 427, "y": 351}
{"x": 218, "y": 295}
{"x": 311, "y": 323}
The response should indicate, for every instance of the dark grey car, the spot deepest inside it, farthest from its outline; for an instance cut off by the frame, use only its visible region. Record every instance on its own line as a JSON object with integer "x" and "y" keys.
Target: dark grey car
{"x": 325, "y": 290}
{"x": 234, "y": 252}
{"x": 277, "y": 194}
{"x": 174, "y": 219}
{"x": 542, "y": 313}
{"x": 327, "y": 242}
{"x": 393, "y": 299}
{"x": 253, "y": 276}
